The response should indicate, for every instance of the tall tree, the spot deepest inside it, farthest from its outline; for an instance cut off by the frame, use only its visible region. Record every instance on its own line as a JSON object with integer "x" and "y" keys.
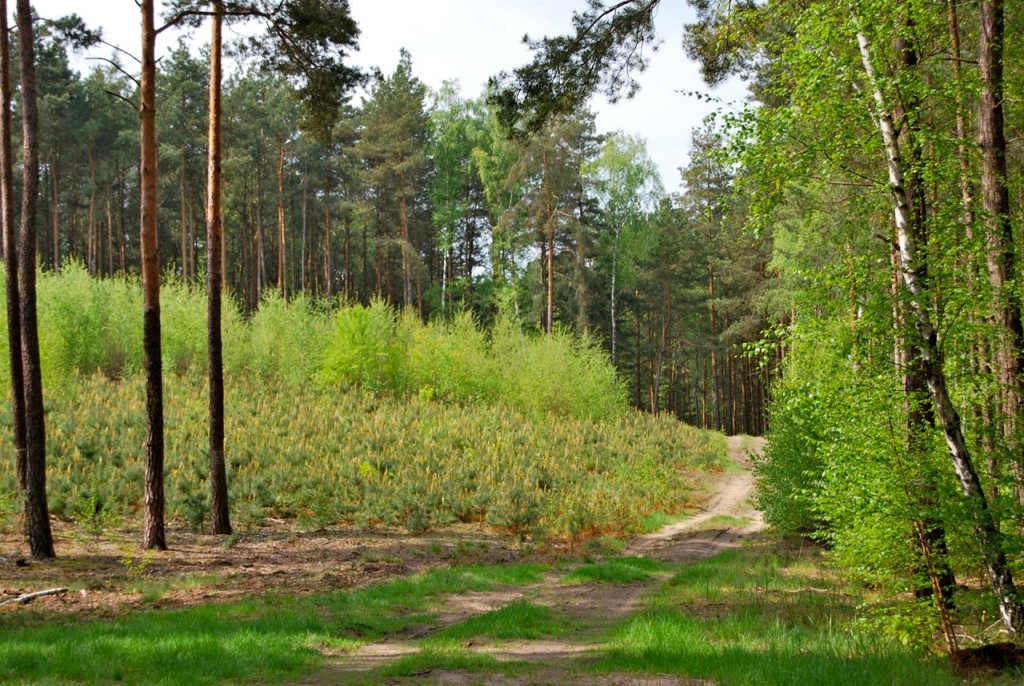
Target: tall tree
{"x": 630, "y": 189}
{"x": 1001, "y": 256}
{"x": 10, "y": 245}
{"x": 393, "y": 147}
{"x": 219, "y": 513}
{"x": 550, "y": 172}
{"x": 37, "y": 517}
{"x": 153, "y": 535}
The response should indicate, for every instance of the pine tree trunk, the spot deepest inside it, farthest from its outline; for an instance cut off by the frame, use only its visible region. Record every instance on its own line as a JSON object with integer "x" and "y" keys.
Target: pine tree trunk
{"x": 220, "y": 522}
{"x": 183, "y": 218}
{"x": 261, "y": 248}
{"x": 10, "y": 247}
{"x": 403, "y": 223}
{"x": 614, "y": 315}
{"x": 305, "y": 233}
{"x": 153, "y": 535}
{"x": 110, "y": 236}
{"x": 966, "y": 194}
{"x": 329, "y": 255}
{"x": 93, "y": 243}
{"x": 282, "y": 257}
{"x": 716, "y": 400}
{"x": 37, "y": 519}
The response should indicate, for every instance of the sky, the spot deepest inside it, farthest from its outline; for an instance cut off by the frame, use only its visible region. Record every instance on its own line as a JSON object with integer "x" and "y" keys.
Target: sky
{"x": 470, "y": 40}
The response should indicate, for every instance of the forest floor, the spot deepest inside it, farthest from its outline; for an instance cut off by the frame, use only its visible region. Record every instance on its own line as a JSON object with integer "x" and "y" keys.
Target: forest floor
{"x": 107, "y": 575}
{"x": 590, "y": 608}
{"x": 708, "y": 596}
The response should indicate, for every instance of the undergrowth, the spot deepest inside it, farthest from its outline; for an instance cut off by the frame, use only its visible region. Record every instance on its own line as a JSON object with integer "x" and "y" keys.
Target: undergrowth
{"x": 323, "y": 457}
{"x": 767, "y": 615}
{"x": 89, "y": 326}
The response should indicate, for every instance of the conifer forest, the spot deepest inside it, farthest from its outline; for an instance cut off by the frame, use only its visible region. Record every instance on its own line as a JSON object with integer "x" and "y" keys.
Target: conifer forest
{"x": 306, "y": 358}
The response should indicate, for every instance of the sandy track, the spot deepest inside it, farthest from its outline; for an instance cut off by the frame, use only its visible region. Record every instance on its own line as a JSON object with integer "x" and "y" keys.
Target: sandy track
{"x": 728, "y": 518}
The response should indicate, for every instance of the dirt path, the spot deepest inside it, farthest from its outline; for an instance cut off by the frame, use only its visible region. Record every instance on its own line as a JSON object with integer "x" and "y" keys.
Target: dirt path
{"x": 728, "y": 518}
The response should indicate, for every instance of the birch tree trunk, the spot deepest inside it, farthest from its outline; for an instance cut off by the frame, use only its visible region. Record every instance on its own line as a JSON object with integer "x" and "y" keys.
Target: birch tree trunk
{"x": 912, "y": 263}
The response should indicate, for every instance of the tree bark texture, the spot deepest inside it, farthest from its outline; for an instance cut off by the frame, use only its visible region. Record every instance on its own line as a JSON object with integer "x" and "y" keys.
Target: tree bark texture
{"x": 1001, "y": 255}
{"x": 10, "y": 246}
{"x": 37, "y": 519}
{"x": 282, "y": 256}
{"x": 153, "y": 535}
{"x": 220, "y": 521}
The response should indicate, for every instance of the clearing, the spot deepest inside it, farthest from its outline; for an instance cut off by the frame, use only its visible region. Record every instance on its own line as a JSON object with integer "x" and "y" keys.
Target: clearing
{"x": 592, "y": 607}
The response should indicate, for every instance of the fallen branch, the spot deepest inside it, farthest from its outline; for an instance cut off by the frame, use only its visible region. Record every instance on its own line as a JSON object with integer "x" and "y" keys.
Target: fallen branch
{"x": 26, "y": 598}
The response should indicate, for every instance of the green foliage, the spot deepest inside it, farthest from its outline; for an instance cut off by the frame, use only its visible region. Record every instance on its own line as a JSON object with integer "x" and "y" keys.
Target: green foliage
{"x": 558, "y": 374}
{"x": 182, "y": 327}
{"x": 377, "y": 349}
{"x": 286, "y": 339}
{"x": 450, "y": 361}
{"x": 838, "y": 466}
{"x": 366, "y": 350}
{"x": 322, "y": 457}
{"x": 86, "y": 324}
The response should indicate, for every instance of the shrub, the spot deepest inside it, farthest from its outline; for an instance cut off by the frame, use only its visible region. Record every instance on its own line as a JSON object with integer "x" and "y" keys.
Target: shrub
{"x": 450, "y": 360}
{"x": 366, "y": 350}
{"x": 286, "y": 339}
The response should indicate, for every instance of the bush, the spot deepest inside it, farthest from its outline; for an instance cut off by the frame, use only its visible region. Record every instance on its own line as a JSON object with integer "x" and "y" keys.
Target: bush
{"x": 450, "y": 361}
{"x": 286, "y": 339}
{"x": 322, "y": 458}
{"x": 366, "y": 350}
{"x": 89, "y": 325}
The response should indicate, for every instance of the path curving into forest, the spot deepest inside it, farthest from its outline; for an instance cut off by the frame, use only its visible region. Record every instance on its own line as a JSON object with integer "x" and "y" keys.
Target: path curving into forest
{"x": 728, "y": 518}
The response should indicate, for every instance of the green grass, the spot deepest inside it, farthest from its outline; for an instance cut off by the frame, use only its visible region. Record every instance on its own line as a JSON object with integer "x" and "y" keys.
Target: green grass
{"x": 754, "y": 617}
{"x": 272, "y": 637}
{"x": 619, "y": 570}
{"x": 658, "y": 520}
{"x": 153, "y": 590}
{"x": 519, "y": 620}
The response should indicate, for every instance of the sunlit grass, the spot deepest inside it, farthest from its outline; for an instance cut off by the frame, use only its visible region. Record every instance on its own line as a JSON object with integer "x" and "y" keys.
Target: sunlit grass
{"x": 618, "y": 570}
{"x": 754, "y": 617}
{"x": 519, "y": 620}
{"x": 271, "y": 637}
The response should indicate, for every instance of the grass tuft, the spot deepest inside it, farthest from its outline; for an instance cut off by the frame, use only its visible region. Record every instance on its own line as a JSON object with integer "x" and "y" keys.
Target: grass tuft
{"x": 447, "y": 659}
{"x": 619, "y": 570}
{"x": 519, "y": 620}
